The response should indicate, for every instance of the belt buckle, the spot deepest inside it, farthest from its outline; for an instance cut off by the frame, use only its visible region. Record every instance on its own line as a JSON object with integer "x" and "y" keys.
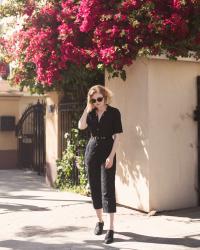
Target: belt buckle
{"x": 99, "y": 137}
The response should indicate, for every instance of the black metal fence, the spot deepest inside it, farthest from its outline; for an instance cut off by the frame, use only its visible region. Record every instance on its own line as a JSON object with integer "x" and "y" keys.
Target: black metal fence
{"x": 30, "y": 131}
{"x": 70, "y": 111}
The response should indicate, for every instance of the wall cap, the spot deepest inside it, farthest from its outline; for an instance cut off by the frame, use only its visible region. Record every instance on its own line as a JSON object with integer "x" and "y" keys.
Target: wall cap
{"x": 186, "y": 59}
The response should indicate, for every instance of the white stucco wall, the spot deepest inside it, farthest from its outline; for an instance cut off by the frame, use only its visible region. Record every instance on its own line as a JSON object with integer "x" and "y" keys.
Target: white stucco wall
{"x": 9, "y": 106}
{"x": 12, "y": 103}
{"x": 52, "y": 137}
{"x": 131, "y": 97}
{"x": 172, "y": 134}
{"x": 157, "y": 155}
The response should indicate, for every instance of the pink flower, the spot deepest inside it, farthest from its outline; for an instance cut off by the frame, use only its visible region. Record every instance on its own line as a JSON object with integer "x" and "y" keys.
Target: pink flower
{"x": 177, "y": 25}
{"x": 176, "y": 4}
{"x": 93, "y": 32}
{"x": 108, "y": 55}
{"x": 89, "y": 13}
{"x": 129, "y": 5}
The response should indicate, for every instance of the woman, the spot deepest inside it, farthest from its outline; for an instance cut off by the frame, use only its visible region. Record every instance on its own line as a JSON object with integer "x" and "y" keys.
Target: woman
{"x": 104, "y": 123}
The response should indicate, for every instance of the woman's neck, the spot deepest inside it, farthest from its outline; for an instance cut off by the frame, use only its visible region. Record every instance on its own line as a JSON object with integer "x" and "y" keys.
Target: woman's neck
{"x": 102, "y": 108}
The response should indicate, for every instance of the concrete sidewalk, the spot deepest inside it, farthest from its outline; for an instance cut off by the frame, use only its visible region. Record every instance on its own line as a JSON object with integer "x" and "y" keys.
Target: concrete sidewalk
{"x": 34, "y": 216}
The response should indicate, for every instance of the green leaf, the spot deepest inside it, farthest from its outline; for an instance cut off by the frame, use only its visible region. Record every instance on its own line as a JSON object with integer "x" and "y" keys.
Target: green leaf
{"x": 123, "y": 75}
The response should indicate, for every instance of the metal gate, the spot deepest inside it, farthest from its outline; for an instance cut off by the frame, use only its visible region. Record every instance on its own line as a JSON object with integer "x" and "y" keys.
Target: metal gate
{"x": 69, "y": 115}
{"x": 30, "y": 132}
{"x": 70, "y": 110}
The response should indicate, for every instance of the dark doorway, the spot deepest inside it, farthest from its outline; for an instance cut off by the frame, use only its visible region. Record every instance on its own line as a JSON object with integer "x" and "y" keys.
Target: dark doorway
{"x": 30, "y": 131}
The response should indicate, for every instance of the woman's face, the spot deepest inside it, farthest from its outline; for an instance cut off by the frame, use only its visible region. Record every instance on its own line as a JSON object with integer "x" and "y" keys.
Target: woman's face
{"x": 97, "y": 100}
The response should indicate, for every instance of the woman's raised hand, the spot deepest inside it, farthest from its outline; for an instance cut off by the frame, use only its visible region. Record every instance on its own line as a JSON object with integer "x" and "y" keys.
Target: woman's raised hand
{"x": 89, "y": 108}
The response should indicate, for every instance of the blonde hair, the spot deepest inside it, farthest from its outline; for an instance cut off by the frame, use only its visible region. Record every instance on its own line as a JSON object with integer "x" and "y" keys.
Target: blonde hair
{"x": 106, "y": 93}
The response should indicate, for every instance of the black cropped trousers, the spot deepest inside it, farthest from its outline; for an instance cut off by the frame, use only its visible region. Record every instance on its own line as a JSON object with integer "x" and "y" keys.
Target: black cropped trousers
{"x": 101, "y": 180}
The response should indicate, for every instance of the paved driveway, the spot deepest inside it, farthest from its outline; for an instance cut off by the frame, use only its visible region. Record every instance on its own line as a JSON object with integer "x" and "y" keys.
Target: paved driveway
{"x": 34, "y": 216}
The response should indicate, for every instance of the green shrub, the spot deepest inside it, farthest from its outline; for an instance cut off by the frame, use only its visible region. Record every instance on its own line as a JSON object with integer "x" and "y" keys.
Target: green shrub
{"x": 71, "y": 173}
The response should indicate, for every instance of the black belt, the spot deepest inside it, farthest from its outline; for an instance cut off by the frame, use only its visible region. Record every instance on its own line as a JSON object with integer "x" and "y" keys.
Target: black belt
{"x": 101, "y": 137}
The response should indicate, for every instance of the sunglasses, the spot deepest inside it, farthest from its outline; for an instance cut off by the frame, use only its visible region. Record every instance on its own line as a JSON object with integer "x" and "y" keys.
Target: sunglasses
{"x": 99, "y": 99}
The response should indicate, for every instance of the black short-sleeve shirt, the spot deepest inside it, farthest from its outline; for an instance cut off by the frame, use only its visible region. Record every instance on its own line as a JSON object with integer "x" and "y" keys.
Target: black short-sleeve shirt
{"x": 108, "y": 125}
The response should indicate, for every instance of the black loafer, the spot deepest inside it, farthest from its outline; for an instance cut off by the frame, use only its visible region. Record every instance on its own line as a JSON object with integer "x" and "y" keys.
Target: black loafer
{"x": 109, "y": 237}
{"x": 99, "y": 228}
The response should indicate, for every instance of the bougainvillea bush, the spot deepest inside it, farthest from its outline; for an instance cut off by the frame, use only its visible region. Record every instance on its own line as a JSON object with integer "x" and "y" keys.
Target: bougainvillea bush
{"x": 65, "y": 39}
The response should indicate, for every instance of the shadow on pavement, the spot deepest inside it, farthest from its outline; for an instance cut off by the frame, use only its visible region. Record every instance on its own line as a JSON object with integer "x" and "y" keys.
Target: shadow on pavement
{"x": 14, "y": 207}
{"x": 191, "y": 213}
{"x": 40, "y": 198}
{"x": 27, "y": 245}
{"x": 30, "y": 231}
{"x": 187, "y": 241}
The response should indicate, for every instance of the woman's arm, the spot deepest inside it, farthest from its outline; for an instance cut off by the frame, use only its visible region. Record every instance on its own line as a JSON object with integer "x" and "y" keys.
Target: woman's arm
{"x": 82, "y": 124}
{"x": 109, "y": 160}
